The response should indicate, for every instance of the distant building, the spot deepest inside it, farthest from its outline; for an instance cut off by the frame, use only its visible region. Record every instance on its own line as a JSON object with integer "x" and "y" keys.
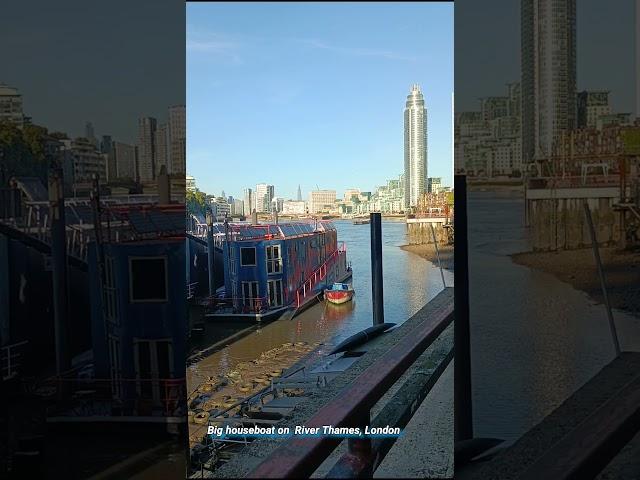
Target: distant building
{"x": 89, "y": 134}
{"x": 11, "y": 105}
{"x": 434, "y": 185}
{"x": 415, "y": 146}
{"x": 276, "y": 204}
{"x": 191, "y": 183}
{"x": 146, "y": 149}
{"x": 106, "y": 144}
{"x": 177, "y": 139}
{"x": 299, "y": 194}
{"x": 591, "y": 106}
{"x": 294, "y": 208}
{"x": 622, "y": 119}
{"x": 220, "y": 207}
{"x": 264, "y": 197}
{"x": 321, "y": 200}
{"x": 248, "y": 202}
{"x": 80, "y": 162}
{"x": 350, "y": 193}
{"x": 548, "y": 74}
{"x": 161, "y": 148}
{"x": 125, "y": 161}
{"x": 488, "y": 142}
{"x": 237, "y": 206}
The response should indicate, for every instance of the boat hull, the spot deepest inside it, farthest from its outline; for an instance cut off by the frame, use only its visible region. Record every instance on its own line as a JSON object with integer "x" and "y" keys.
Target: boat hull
{"x": 338, "y": 297}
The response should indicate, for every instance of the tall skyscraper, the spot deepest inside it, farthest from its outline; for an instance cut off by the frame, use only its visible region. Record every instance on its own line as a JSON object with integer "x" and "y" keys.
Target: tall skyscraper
{"x": 415, "y": 147}
{"x": 161, "y": 147}
{"x": 146, "y": 149}
{"x": 548, "y": 74}
{"x": 299, "y": 193}
{"x": 89, "y": 133}
{"x": 248, "y": 202}
{"x": 264, "y": 196}
{"x": 177, "y": 136}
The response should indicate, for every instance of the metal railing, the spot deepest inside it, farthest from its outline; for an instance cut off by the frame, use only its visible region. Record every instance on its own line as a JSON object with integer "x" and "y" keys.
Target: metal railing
{"x": 10, "y": 359}
{"x": 116, "y": 396}
{"x": 318, "y": 275}
{"x": 191, "y": 289}
{"x": 300, "y": 457}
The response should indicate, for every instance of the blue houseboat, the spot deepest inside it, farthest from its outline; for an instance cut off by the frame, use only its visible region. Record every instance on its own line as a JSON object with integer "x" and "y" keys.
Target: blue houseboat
{"x": 269, "y": 269}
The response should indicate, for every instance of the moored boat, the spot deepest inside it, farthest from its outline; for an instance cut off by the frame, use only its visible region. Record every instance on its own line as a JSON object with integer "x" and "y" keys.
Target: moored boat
{"x": 361, "y": 221}
{"x": 339, "y": 293}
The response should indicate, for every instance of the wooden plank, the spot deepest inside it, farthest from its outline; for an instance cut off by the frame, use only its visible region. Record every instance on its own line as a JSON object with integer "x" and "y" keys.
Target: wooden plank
{"x": 588, "y": 448}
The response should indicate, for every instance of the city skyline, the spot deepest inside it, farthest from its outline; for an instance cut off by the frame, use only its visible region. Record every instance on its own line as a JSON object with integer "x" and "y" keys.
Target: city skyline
{"x": 308, "y": 98}
{"x": 112, "y": 103}
{"x": 606, "y": 44}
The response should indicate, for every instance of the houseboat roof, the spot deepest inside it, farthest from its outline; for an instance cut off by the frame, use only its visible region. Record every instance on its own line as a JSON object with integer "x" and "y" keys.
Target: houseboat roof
{"x": 243, "y": 231}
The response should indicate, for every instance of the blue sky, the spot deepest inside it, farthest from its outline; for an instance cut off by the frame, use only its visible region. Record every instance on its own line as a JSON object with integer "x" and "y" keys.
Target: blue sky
{"x": 313, "y": 93}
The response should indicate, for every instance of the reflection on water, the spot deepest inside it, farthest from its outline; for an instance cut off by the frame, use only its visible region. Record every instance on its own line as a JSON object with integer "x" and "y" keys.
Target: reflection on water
{"x": 409, "y": 283}
{"x": 535, "y": 340}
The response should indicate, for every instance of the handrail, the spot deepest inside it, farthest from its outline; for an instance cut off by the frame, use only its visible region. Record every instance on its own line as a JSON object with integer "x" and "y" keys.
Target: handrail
{"x": 300, "y": 457}
{"x": 301, "y": 292}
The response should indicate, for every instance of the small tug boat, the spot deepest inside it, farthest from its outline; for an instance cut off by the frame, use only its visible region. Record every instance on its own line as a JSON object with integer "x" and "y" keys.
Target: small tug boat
{"x": 339, "y": 293}
{"x": 361, "y": 221}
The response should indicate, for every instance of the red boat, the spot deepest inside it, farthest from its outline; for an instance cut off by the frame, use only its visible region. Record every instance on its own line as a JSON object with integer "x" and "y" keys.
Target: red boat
{"x": 339, "y": 293}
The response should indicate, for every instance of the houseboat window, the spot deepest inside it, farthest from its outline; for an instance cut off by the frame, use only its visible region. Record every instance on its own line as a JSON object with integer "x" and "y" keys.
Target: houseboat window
{"x": 148, "y": 279}
{"x": 249, "y": 293}
{"x": 274, "y": 259}
{"x": 275, "y": 293}
{"x": 114, "y": 363}
{"x": 110, "y": 299}
{"x": 154, "y": 363}
{"x": 248, "y": 256}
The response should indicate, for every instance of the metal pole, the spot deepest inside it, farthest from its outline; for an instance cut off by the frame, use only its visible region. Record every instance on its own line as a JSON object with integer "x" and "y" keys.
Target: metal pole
{"x": 376, "y": 268}
{"x": 596, "y": 254}
{"x": 210, "y": 254}
{"x": 463, "y": 418}
{"x": 435, "y": 242}
{"x": 59, "y": 269}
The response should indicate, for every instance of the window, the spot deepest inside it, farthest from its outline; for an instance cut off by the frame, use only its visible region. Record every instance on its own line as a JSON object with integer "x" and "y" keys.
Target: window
{"x": 114, "y": 364}
{"x": 275, "y": 293}
{"x": 274, "y": 259}
{"x": 148, "y": 279}
{"x": 109, "y": 291}
{"x": 153, "y": 363}
{"x": 249, "y": 293}
{"x": 248, "y": 256}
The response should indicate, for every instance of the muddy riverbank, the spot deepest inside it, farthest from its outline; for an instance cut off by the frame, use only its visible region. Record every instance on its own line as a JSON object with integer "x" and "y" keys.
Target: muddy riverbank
{"x": 578, "y": 268}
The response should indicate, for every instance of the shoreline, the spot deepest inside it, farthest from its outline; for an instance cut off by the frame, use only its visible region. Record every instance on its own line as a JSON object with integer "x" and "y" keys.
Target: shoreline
{"x": 578, "y": 269}
{"x": 428, "y": 252}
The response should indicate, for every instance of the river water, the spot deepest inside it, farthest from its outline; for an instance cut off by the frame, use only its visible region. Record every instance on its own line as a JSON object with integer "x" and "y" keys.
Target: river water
{"x": 409, "y": 283}
{"x": 535, "y": 340}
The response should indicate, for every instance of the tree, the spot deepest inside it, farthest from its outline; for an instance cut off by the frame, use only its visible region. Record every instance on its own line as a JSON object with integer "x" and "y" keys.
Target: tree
{"x": 196, "y": 202}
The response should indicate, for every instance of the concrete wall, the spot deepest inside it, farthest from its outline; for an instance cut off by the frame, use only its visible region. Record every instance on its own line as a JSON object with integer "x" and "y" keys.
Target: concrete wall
{"x": 419, "y": 232}
{"x": 560, "y": 223}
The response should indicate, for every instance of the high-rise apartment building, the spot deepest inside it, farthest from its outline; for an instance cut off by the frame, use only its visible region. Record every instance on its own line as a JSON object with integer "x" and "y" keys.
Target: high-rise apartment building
{"x": 125, "y": 161}
{"x": 548, "y": 74}
{"x": 264, "y": 197}
{"x": 248, "y": 202}
{"x": 177, "y": 142}
{"x": 146, "y": 149}
{"x": 415, "y": 146}
{"x": 161, "y": 148}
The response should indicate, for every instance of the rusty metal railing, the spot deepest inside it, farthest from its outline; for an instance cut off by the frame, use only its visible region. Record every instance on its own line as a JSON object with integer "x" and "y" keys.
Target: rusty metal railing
{"x": 300, "y": 457}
